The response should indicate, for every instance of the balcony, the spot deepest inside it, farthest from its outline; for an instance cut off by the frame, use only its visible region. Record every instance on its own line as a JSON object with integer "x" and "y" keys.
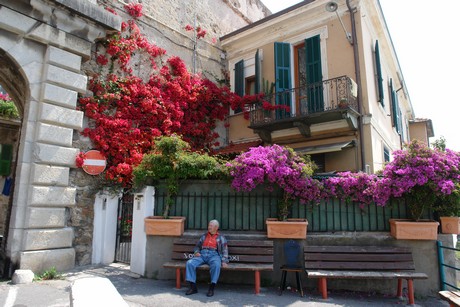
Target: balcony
{"x": 330, "y": 104}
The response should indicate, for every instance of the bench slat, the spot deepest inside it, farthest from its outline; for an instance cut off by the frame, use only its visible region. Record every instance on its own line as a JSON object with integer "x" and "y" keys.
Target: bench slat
{"x": 342, "y": 265}
{"x": 232, "y": 250}
{"x": 231, "y": 266}
{"x": 242, "y": 243}
{"x": 357, "y": 257}
{"x": 453, "y": 297}
{"x": 357, "y": 249}
{"x": 364, "y": 275}
{"x": 232, "y": 257}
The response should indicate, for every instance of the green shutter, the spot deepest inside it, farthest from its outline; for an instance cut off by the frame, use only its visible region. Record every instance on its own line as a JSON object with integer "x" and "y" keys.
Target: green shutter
{"x": 396, "y": 112}
{"x": 258, "y": 73}
{"x": 399, "y": 128}
{"x": 379, "y": 74}
{"x": 239, "y": 78}
{"x": 283, "y": 77}
{"x": 6, "y": 155}
{"x": 314, "y": 74}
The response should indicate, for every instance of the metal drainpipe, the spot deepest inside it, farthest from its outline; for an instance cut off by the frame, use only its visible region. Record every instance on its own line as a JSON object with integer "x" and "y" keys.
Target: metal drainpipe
{"x": 358, "y": 82}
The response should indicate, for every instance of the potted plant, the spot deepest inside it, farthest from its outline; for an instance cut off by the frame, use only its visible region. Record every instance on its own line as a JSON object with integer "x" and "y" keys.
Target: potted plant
{"x": 277, "y": 167}
{"x": 172, "y": 161}
{"x": 421, "y": 176}
{"x": 447, "y": 207}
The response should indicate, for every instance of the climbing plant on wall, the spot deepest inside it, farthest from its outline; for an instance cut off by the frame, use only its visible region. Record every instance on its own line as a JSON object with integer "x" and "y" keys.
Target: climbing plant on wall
{"x": 139, "y": 93}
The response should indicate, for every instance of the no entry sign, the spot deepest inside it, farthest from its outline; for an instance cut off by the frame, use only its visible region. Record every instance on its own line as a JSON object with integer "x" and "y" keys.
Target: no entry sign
{"x": 94, "y": 162}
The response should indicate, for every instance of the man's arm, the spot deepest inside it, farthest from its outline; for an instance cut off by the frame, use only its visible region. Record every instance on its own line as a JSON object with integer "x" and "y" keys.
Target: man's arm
{"x": 224, "y": 251}
{"x": 199, "y": 244}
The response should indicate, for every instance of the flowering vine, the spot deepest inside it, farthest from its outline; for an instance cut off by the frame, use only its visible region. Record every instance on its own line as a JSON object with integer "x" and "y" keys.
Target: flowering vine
{"x": 129, "y": 109}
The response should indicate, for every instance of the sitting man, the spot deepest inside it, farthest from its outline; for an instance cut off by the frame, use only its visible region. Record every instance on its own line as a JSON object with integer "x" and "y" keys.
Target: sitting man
{"x": 211, "y": 249}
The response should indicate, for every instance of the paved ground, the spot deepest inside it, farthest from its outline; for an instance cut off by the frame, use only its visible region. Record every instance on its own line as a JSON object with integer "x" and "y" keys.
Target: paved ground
{"x": 139, "y": 292}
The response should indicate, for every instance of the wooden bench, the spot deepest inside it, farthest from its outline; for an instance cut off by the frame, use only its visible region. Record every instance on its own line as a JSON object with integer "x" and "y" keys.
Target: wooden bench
{"x": 244, "y": 255}
{"x": 453, "y": 297}
{"x": 361, "y": 262}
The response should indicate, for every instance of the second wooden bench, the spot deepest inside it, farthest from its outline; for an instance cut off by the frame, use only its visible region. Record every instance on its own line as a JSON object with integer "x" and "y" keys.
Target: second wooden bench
{"x": 244, "y": 255}
{"x": 361, "y": 262}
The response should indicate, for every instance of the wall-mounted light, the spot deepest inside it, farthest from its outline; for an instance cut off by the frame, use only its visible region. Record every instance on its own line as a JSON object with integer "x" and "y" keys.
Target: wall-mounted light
{"x": 332, "y": 7}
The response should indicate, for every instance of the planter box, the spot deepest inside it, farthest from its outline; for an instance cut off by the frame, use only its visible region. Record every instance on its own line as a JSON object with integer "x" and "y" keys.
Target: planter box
{"x": 290, "y": 229}
{"x": 412, "y": 230}
{"x": 159, "y": 226}
{"x": 450, "y": 224}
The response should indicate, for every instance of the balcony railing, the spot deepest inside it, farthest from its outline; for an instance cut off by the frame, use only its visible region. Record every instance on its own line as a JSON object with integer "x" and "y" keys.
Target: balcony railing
{"x": 326, "y": 96}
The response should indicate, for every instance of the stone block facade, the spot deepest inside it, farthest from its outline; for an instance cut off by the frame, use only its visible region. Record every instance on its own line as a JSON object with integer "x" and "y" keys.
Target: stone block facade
{"x": 46, "y": 65}
{"x": 46, "y": 58}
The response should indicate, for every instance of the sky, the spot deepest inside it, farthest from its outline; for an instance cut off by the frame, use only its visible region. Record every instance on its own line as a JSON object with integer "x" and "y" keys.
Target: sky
{"x": 425, "y": 37}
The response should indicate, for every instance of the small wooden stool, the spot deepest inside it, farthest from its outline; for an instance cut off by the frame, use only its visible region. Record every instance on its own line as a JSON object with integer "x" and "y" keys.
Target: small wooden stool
{"x": 297, "y": 271}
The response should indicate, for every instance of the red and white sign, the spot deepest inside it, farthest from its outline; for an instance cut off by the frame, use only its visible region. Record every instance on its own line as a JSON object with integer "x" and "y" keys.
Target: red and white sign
{"x": 94, "y": 162}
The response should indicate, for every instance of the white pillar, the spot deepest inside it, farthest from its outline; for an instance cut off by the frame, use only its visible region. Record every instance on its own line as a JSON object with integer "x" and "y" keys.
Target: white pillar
{"x": 143, "y": 207}
{"x": 105, "y": 228}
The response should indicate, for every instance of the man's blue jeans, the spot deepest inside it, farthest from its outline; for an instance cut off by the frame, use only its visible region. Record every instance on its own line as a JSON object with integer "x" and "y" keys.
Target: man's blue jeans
{"x": 210, "y": 257}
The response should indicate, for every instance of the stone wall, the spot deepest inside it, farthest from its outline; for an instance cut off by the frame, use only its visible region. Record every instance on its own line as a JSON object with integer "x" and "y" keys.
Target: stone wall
{"x": 43, "y": 45}
{"x": 164, "y": 24}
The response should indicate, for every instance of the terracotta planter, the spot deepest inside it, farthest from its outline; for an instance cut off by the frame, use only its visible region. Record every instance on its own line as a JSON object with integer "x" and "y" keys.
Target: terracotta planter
{"x": 411, "y": 230}
{"x": 159, "y": 226}
{"x": 450, "y": 224}
{"x": 290, "y": 229}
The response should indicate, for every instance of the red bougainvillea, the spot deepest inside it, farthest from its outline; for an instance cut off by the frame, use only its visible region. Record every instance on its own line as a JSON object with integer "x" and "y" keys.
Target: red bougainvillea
{"x": 129, "y": 109}
{"x": 134, "y": 9}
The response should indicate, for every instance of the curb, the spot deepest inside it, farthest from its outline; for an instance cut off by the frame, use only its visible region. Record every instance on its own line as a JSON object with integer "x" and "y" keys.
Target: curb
{"x": 95, "y": 291}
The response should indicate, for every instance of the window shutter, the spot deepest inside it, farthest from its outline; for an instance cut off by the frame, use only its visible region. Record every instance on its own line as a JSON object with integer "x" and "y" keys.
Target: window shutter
{"x": 400, "y": 126}
{"x": 314, "y": 74}
{"x": 239, "y": 78}
{"x": 282, "y": 77}
{"x": 258, "y": 73}
{"x": 396, "y": 111}
{"x": 6, "y": 154}
{"x": 282, "y": 66}
{"x": 394, "y": 116}
{"x": 379, "y": 74}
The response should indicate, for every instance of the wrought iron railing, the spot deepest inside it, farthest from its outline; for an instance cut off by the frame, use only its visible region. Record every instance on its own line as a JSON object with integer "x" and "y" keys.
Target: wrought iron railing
{"x": 248, "y": 212}
{"x": 328, "y": 95}
{"x": 451, "y": 265}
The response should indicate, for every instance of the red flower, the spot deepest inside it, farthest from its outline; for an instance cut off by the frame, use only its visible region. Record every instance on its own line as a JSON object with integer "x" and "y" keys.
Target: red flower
{"x": 101, "y": 60}
{"x": 134, "y": 9}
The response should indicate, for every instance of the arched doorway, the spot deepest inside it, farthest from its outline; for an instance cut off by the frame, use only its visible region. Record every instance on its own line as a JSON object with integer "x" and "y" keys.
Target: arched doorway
{"x": 13, "y": 91}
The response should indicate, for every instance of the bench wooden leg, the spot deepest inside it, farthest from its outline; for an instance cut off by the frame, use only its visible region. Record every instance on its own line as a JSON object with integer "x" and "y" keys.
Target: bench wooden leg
{"x": 178, "y": 278}
{"x": 399, "y": 293}
{"x": 322, "y": 285}
{"x": 410, "y": 289}
{"x": 257, "y": 281}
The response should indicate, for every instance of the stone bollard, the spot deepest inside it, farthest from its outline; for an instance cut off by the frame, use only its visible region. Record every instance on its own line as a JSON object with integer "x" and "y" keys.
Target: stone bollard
{"x": 22, "y": 277}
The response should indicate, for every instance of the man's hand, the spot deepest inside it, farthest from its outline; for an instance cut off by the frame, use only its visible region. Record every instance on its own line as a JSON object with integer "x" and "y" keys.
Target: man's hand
{"x": 197, "y": 254}
{"x": 224, "y": 264}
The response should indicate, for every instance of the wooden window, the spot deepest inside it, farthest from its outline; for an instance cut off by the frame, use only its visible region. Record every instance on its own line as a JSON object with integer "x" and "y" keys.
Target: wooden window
{"x": 379, "y": 76}
{"x": 6, "y": 155}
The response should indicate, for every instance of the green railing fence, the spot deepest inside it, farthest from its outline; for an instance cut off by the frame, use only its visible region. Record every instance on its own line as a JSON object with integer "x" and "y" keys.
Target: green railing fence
{"x": 248, "y": 211}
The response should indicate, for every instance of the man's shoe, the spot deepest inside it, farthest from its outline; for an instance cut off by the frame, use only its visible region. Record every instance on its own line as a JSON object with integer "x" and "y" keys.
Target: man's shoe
{"x": 191, "y": 291}
{"x": 211, "y": 290}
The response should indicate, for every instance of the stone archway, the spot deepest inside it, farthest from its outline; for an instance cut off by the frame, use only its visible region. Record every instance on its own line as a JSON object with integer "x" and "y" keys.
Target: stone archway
{"x": 13, "y": 81}
{"x": 44, "y": 43}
